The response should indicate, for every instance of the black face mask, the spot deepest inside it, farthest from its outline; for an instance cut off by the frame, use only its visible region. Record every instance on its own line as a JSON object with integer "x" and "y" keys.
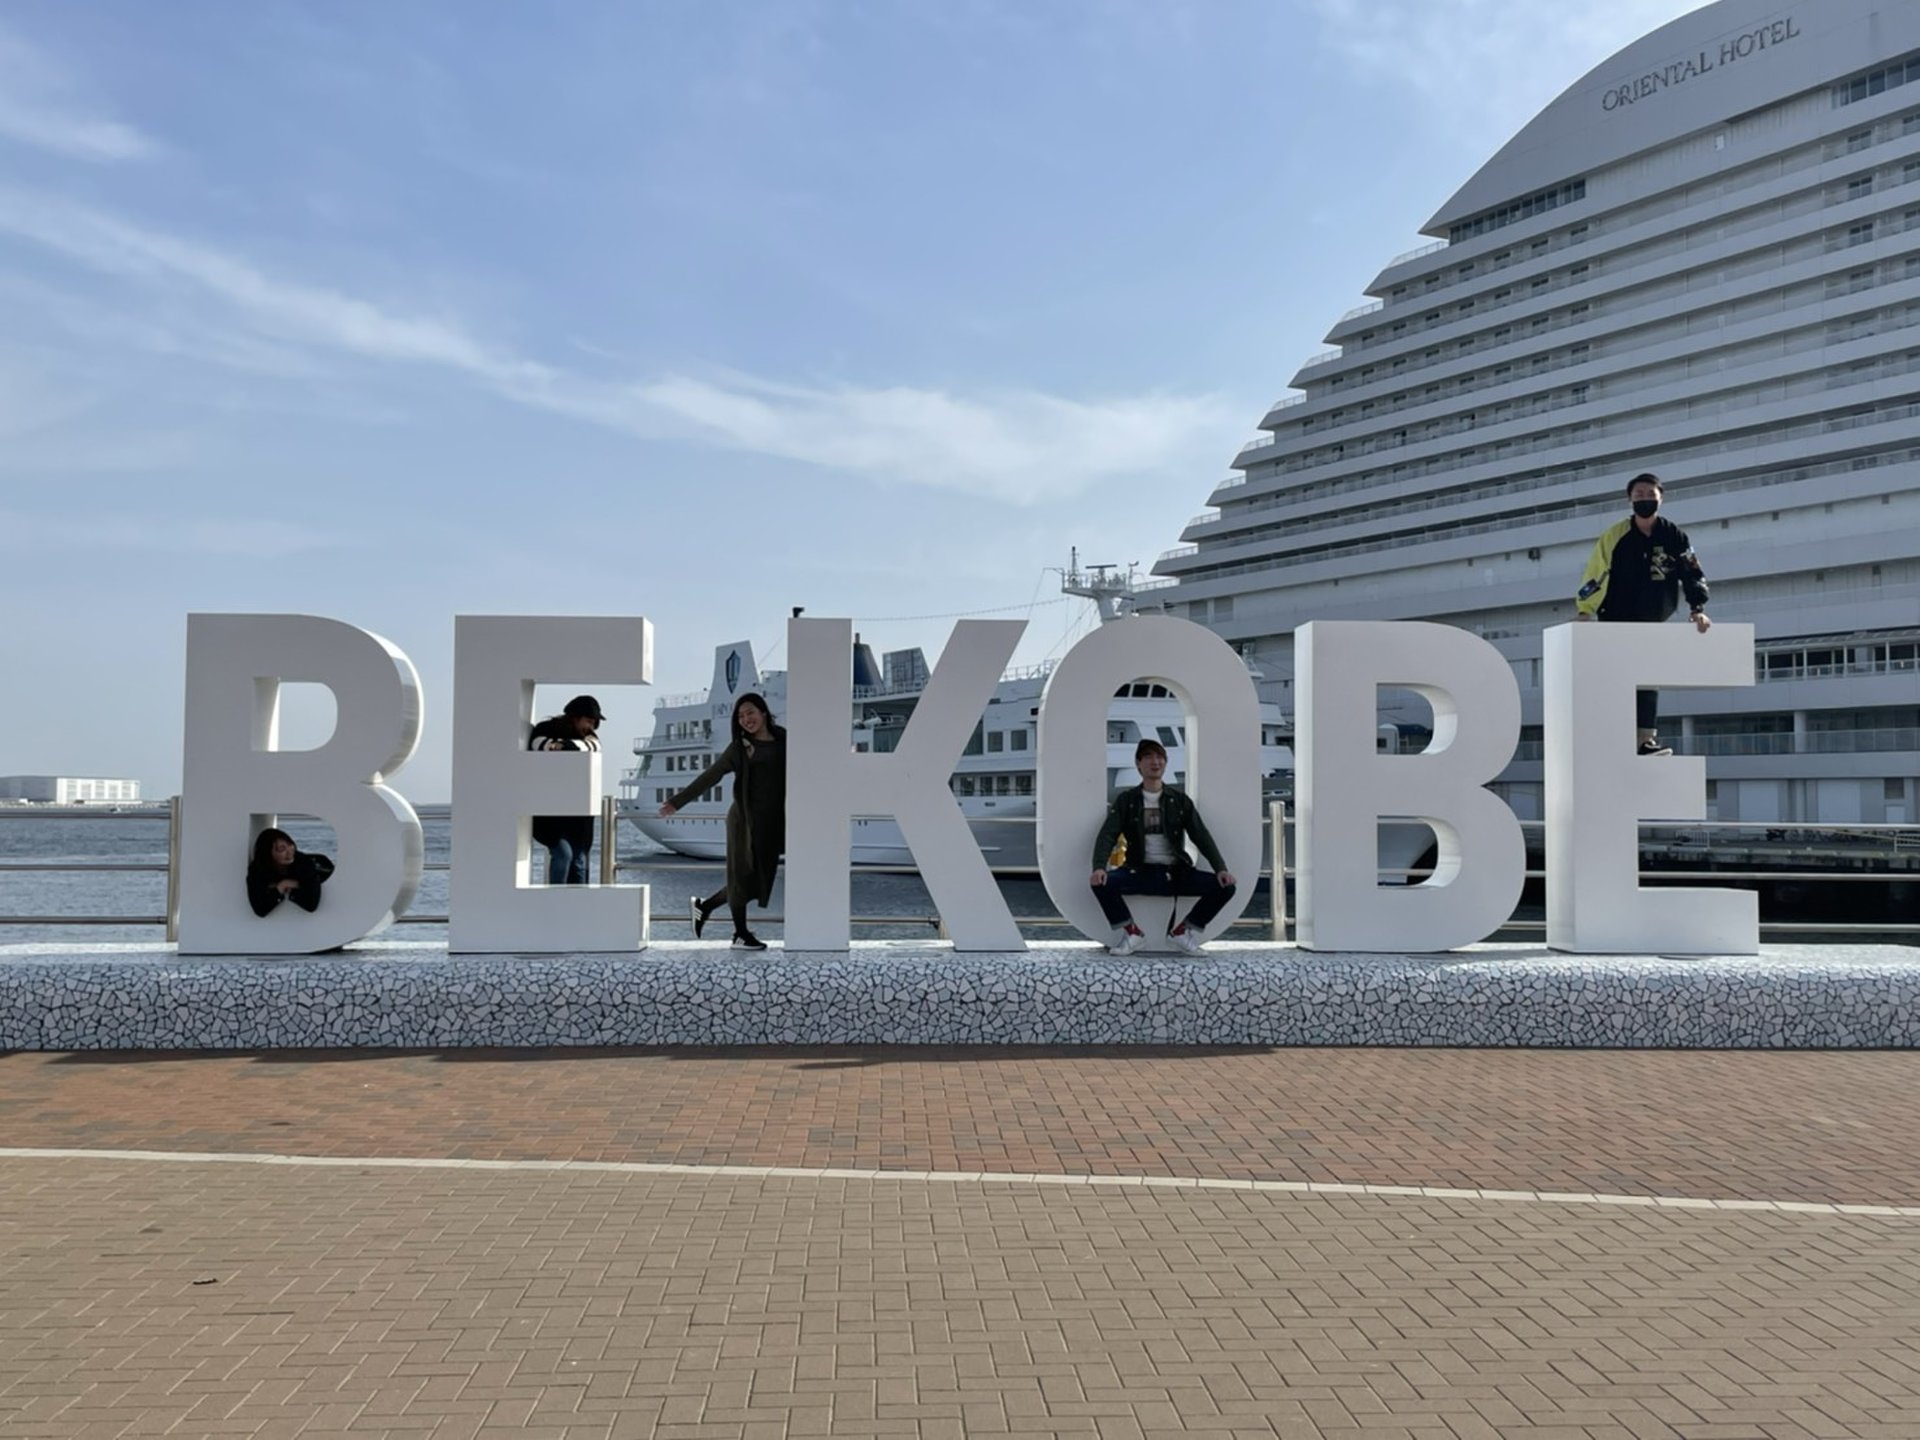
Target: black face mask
{"x": 1646, "y": 509}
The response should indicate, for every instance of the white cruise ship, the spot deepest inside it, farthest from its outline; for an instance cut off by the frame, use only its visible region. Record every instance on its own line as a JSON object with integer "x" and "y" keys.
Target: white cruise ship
{"x": 993, "y": 781}
{"x": 1702, "y": 260}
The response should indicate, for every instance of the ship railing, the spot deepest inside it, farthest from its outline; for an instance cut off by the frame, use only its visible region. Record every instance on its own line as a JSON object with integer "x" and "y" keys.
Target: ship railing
{"x": 676, "y": 702}
{"x": 1856, "y": 854}
{"x": 1419, "y": 252}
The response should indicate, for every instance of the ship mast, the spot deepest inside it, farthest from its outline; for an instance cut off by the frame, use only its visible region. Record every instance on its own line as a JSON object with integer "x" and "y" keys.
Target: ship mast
{"x": 1111, "y": 592}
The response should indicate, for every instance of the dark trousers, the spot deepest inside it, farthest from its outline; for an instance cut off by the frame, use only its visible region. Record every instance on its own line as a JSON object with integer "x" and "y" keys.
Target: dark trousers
{"x": 1646, "y": 703}
{"x": 1175, "y": 880}
{"x": 736, "y": 907}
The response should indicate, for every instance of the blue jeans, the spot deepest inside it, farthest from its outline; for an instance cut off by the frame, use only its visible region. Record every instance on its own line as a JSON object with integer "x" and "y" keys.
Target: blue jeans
{"x": 1174, "y": 880}
{"x": 566, "y": 864}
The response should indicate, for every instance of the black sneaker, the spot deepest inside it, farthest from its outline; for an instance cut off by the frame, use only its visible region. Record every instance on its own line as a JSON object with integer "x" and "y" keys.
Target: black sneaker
{"x": 747, "y": 940}
{"x": 1652, "y": 746}
{"x": 700, "y": 914}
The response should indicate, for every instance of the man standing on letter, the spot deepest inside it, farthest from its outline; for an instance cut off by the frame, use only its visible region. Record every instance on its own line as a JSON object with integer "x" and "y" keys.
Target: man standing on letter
{"x": 1155, "y": 820}
{"x": 1637, "y": 570}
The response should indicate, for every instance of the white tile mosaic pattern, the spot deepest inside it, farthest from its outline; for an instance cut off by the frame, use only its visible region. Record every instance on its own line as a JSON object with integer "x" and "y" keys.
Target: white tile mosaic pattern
{"x": 907, "y": 993}
{"x": 413, "y": 995}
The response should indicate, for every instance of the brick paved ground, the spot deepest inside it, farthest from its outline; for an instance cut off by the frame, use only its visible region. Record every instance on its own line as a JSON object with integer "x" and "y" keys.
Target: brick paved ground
{"x": 1791, "y": 1126}
{"x": 227, "y": 1299}
{"x": 145, "y": 1297}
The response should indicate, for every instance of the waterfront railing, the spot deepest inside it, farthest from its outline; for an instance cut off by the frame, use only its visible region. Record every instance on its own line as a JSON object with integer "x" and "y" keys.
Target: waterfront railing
{"x": 1680, "y": 853}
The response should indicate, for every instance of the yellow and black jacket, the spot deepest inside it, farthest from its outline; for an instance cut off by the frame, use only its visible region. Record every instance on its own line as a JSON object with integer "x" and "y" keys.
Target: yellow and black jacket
{"x": 1638, "y": 577}
{"x": 1179, "y": 818}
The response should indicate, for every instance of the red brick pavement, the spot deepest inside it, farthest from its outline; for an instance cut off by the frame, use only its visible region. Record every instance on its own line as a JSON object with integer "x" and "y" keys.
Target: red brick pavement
{"x": 212, "y": 1299}
{"x": 1790, "y": 1126}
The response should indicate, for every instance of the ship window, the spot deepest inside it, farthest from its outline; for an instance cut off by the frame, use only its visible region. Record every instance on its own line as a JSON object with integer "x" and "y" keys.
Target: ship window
{"x": 1023, "y": 784}
{"x": 1116, "y": 734}
{"x": 963, "y": 784}
{"x": 1017, "y": 740}
{"x": 996, "y": 741}
{"x": 1167, "y": 737}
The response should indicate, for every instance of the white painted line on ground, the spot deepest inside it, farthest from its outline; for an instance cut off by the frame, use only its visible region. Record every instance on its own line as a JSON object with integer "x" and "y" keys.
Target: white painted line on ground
{"x": 1312, "y": 1188}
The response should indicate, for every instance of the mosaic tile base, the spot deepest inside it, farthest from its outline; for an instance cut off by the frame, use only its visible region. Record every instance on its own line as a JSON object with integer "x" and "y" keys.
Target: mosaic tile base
{"x": 402, "y": 994}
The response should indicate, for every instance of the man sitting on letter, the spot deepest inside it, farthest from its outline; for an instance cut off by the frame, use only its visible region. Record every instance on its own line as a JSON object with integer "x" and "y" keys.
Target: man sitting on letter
{"x": 1156, "y": 820}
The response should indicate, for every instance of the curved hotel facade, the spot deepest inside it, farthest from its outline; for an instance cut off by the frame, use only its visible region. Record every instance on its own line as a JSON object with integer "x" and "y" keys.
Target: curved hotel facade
{"x": 1702, "y": 260}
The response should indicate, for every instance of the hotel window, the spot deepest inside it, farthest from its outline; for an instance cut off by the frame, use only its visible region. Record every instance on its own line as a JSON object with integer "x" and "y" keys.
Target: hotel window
{"x": 1859, "y": 140}
{"x": 1860, "y": 234}
{"x": 1859, "y": 187}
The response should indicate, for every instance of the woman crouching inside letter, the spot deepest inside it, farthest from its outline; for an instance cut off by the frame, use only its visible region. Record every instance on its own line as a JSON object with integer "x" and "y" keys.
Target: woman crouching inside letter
{"x": 756, "y": 821}
{"x": 279, "y": 872}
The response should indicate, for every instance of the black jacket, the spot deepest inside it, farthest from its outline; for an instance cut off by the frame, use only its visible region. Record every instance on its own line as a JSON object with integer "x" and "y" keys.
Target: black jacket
{"x": 1179, "y": 817}
{"x": 1637, "y": 577}
{"x": 557, "y": 734}
{"x": 309, "y": 872}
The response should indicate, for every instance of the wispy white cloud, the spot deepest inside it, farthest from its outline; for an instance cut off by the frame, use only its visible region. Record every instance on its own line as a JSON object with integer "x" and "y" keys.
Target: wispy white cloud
{"x": 40, "y": 106}
{"x": 1017, "y": 446}
{"x": 159, "y": 535}
{"x": 1487, "y": 64}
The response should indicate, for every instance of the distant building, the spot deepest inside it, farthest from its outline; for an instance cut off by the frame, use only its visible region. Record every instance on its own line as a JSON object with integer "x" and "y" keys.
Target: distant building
{"x": 1702, "y": 260}
{"x": 69, "y": 789}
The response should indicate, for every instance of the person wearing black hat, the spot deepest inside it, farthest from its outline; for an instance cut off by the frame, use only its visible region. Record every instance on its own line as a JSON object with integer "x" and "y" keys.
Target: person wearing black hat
{"x": 568, "y": 838}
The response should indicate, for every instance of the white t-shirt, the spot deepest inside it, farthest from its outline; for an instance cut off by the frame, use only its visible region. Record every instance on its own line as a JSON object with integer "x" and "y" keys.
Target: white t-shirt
{"x": 1159, "y": 849}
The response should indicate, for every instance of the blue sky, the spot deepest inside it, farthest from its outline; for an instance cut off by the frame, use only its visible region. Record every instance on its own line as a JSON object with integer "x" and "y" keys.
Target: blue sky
{"x": 696, "y": 311}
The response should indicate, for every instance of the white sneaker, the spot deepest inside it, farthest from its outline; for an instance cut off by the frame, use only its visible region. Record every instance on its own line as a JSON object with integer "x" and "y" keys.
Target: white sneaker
{"x": 1187, "y": 941}
{"x": 1125, "y": 942}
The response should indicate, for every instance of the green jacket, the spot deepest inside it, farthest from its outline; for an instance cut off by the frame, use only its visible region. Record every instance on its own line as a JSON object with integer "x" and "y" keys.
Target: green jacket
{"x": 1179, "y": 818}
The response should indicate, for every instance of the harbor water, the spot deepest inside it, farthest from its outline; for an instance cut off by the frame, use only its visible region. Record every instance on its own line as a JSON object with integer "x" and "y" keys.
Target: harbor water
{"x": 142, "y": 840}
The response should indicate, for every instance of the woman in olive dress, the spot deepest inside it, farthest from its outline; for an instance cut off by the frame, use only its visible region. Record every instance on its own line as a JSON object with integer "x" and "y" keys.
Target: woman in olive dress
{"x": 756, "y": 820}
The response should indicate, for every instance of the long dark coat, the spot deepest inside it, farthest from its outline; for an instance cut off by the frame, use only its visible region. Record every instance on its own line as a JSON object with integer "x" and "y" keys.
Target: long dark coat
{"x": 757, "y": 819}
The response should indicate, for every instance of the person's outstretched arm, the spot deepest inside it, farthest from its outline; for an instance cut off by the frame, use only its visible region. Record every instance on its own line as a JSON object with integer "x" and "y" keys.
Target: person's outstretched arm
{"x": 702, "y": 782}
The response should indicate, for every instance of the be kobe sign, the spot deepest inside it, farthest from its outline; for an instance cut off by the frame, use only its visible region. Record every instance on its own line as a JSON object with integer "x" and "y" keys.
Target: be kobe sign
{"x": 236, "y": 780}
